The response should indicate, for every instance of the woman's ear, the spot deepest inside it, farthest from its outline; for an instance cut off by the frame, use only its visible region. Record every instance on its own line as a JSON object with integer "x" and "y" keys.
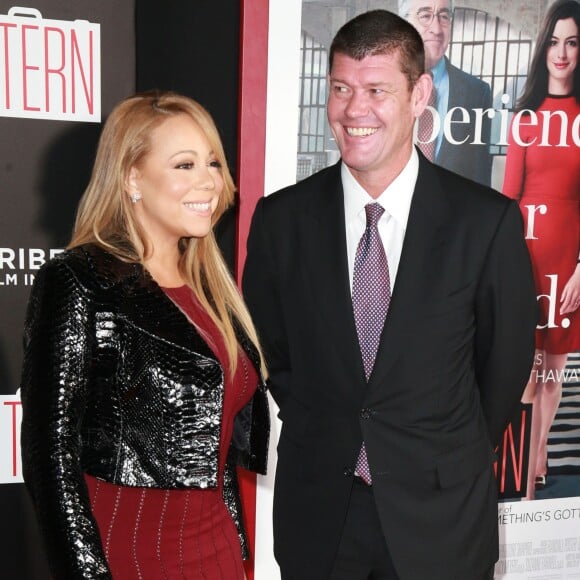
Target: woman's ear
{"x": 131, "y": 184}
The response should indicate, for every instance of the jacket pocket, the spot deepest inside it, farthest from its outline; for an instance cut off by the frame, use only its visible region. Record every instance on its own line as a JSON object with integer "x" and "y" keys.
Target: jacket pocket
{"x": 464, "y": 463}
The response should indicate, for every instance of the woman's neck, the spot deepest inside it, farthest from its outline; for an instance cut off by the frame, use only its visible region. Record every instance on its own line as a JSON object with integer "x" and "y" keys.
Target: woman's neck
{"x": 559, "y": 87}
{"x": 164, "y": 267}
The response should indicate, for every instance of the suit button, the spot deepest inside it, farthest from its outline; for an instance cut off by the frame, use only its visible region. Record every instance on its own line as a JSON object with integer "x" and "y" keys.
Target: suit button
{"x": 348, "y": 472}
{"x": 365, "y": 414}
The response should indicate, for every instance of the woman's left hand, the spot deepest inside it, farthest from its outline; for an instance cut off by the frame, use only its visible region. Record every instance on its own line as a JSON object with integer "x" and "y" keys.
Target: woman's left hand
{"x": 570, "y": 300}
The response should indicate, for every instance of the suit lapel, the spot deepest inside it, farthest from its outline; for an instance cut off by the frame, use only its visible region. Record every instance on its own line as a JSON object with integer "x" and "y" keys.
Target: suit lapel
{"x": 143, "y": 303}
{"x": 323, "y": 232}
{"x": 326, "y": 268}
{"x": 424, "y": 240}
{"x": 153, "y": 311}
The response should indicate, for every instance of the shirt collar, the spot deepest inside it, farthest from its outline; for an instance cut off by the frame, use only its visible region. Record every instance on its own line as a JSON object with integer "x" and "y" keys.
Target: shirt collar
{"x": 396, "y": 198}
{"x": 438, "y": 71}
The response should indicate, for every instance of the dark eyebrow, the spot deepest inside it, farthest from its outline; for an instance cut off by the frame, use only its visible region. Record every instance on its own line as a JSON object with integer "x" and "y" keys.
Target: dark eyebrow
{"x": 565, "y": 38}
{"x": 372, "y": 85}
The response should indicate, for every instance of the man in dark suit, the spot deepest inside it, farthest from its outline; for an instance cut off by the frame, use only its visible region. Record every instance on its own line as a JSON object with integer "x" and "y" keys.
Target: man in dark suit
{"x": 453, "y": 88}
{"x": 385, "y": 458}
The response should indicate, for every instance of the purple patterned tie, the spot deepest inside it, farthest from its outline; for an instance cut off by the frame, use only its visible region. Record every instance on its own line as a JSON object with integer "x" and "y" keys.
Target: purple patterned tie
{"x": 371, "y": 295}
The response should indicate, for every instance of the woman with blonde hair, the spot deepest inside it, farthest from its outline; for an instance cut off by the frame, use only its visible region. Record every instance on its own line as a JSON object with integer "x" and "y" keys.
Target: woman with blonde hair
{"x": 143, "y": 380}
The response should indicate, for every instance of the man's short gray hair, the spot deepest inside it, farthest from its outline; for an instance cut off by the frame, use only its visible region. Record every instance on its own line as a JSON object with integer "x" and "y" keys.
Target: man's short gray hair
{"x": 405, "y": 7}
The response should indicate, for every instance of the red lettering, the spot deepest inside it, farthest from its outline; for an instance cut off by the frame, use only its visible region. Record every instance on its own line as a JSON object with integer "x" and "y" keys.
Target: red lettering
{"x": 14, "y": 404}
{"x": 89, "y": 94}
{"x": 49, "y": 69}
{"x": 6, "y": 26}
{"x": 516, "y": 449}
{"x": 26, "y": 67}
{"x": 54, "y": 71}
{"x": 517, "y": 464}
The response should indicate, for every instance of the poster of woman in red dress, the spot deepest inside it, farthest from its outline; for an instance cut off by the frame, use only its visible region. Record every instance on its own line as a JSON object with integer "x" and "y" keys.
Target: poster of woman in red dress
{"x": 543, "y": 174}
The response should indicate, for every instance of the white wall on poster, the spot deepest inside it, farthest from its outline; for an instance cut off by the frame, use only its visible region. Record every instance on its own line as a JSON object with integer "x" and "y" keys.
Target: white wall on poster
{"x": 49, "y": 69}
{"x": 283, "y": 96}
{"x": 280, "y": 170}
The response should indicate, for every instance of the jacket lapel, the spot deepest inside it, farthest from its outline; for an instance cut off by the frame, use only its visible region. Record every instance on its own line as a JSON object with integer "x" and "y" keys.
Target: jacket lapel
{"x": 425, "y": 237}
{"x": 143, "y": 303}
{"x": 156, "y": 313}
{"x": 323, "y": 232}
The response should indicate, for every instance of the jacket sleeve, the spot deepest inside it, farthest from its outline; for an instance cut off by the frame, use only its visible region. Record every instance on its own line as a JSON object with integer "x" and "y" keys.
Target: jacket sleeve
{"x": 506, "y": 316}
{"x": 262, "y": 295}
{"x": 58, "y": 353}
{"x": 231, "y": 495}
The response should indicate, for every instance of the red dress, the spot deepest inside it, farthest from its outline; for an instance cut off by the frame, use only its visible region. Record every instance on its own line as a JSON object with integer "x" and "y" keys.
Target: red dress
{"x": 159, "y": 534}
{"x": 544, "y": 176}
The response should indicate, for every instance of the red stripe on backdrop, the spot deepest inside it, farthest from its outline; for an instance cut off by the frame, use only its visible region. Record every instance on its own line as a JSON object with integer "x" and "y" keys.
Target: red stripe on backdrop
{"x": 251, "y": 163}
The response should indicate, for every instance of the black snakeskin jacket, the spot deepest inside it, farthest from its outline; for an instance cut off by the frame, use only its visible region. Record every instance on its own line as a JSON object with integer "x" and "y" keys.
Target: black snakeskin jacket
{"x": 117, "y": 383}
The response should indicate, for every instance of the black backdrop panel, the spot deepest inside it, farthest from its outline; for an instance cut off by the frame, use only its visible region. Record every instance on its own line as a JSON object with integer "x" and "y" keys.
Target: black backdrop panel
{"x": 193, "y": 48}
{"x": 44, "y": 167}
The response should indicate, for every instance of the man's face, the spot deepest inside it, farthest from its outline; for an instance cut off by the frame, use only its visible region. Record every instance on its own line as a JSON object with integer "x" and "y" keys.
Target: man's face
{"x": 371, "y": 112}
{"x": 432, "y": 20}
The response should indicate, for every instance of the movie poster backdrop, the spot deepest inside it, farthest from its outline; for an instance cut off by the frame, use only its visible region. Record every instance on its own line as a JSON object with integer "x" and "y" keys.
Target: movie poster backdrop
{"x": 63, "y": 66}
{"x": 488, "y": 60}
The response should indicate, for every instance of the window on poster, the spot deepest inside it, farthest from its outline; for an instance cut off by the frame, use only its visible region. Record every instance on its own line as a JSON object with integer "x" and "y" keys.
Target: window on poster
{"x": 483, "y": 45}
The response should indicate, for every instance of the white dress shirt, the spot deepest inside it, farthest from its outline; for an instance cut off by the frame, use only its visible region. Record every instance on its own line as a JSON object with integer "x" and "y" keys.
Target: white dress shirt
{"x": 396, "y": 200}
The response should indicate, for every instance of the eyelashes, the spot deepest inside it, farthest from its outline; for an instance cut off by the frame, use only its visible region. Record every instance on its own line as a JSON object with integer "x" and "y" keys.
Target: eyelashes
{"x": 190, "y": 165}
{"x": 572, "y": 43}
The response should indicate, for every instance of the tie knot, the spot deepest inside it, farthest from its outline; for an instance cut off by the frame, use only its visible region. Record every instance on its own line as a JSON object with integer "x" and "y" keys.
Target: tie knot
{"x": 374, "y": 212}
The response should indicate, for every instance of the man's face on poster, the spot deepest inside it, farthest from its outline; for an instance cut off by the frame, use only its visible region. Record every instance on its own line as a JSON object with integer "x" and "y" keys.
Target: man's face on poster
{"x": 433, "y": 21}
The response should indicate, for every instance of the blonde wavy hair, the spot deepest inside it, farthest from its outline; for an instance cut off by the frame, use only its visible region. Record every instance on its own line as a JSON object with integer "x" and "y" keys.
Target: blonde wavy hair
{"x": 104, "y": 216}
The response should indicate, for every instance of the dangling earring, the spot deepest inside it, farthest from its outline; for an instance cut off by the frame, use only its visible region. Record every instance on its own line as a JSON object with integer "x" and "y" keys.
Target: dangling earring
{"x": 135, "y": 197}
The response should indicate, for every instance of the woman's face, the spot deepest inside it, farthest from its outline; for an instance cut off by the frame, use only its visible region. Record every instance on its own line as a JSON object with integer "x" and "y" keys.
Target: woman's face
{"x": 562, "y": 53}
{"x": 179, "y": 181}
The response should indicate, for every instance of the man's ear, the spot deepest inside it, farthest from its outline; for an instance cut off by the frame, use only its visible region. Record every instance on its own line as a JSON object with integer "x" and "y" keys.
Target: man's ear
{"x": 421, "y": 92}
